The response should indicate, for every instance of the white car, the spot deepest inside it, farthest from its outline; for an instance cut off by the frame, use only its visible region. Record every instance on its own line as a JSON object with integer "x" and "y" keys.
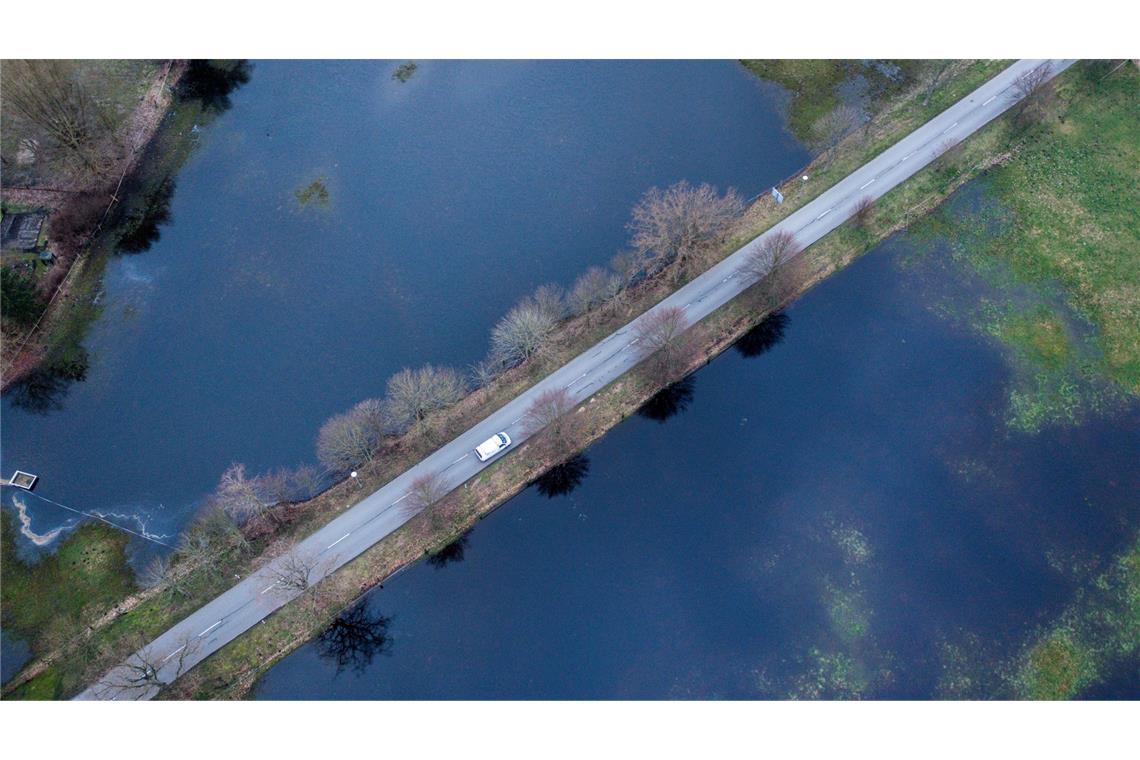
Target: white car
{"x": 492, "y": 446}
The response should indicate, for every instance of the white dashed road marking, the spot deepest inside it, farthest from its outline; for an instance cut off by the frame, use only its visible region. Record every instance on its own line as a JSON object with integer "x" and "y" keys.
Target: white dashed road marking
{"x": 334, "y": 543}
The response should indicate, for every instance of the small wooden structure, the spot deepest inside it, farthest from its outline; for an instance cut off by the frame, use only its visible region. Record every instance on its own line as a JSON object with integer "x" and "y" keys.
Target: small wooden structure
{"x": 21, "y": 479}
{"x": 21, "y": 232}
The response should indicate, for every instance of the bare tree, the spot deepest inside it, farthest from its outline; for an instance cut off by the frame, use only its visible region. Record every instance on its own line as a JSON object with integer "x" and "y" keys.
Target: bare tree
{"x": 284, "y": 484}
{"x": 551, "y": 299}
{"x": 676, "y": 227}
{"x": 48, "y": 95}
{"x": 628, "y": 266}
{"x": 350, "y": 439}
{"x": 134, "y": 678}
{"x": 142, "y": 671}
{"x": 1035, "y": 94}
{"x": 415, "y": 393}
{"x": 484, "y": 371}
{"x": 555, "y": 425}
{"x": 154, "y": 574}
{"x": 161, "y": 573}
{"x": 772, "y": 253}
{"x": 593, "y": 289}
{"x": 426, "y": 490}
{"x": 243, "y": 498}
{"x": 523, "y": 332}
{"x": 294, "y": 571}
{"x": 664, "y": 343}
{"x": 830, "y": 129}
{"x": 863, "y": 211}
{"x": 201, "y": 551}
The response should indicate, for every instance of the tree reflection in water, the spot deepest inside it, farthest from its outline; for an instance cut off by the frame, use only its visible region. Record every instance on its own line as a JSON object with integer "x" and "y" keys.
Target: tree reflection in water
{"x": 44, "y": 389}
{"x": 563, "y": 478}
{"x": 670, "y": 401}
{"x": 453, "y": 552}
{"x": 355, "y": 638}
{"x": 763, "y": 337}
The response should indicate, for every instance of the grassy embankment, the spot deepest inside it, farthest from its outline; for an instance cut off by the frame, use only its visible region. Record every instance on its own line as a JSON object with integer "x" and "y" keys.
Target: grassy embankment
{"x": 240, "y": 662}
{"x": 48, "y": 599}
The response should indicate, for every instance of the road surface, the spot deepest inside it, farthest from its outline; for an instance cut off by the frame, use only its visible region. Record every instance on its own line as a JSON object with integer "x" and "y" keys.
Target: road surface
{"x": 251, "y": 600}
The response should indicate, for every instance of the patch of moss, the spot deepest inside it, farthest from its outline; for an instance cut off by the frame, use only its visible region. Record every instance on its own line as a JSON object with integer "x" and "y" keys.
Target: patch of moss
{"x": 405, "y": 71}
{"x": 1057, "y": 668}
{"x": 315, "y": 192}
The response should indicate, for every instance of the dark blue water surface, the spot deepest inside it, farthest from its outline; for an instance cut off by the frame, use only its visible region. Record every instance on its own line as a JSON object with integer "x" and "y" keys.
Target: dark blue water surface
{"x": 252, "y": 320}
{"x": 847, "y": 514}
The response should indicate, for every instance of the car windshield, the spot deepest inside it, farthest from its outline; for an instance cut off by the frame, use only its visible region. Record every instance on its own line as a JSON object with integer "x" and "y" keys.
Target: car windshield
{"x": 503, "y": 439}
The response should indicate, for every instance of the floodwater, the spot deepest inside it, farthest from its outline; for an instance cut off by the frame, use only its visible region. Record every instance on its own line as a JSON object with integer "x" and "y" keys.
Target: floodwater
{"x": 254, "y": 318}
{"x": 846, "y": 514}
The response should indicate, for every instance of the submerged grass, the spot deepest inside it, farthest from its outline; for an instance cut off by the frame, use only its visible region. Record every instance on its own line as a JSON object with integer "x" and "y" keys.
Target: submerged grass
{"x": 1099, "y": 631}
{"x": 315, "y": 193}
{"x": 1055, "y": 237}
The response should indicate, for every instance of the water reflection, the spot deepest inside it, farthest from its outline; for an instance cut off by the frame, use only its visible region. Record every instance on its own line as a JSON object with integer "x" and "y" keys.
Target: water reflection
{"x": 763, "y": 337}
{"x": 670, "y": 401}
{"x": 563, "y": 478}
{"x": 355, "y": 638}
{"x": 212, "y": 82}
{"x": 451, "y": 553}
{"x": 141, "y": 225}
{"x": 44, "y": 389}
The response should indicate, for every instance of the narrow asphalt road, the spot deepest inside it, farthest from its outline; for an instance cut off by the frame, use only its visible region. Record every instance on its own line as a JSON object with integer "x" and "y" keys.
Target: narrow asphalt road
{"x": 255, "y": 597}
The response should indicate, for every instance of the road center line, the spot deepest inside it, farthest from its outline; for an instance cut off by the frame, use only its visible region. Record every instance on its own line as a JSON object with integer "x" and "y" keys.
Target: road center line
{"x": 990, "y": 100}
{"x": 949, "y": 127}
{"x": 176, "y": 651}
{"x": 334, "y": 543}
{"x": 215, "y": 625}
{"x": 866, "y": 185}
{"x": 269, "y": 588}
{"x": 825, "y": 213}
{"x": 397, "y": 501}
